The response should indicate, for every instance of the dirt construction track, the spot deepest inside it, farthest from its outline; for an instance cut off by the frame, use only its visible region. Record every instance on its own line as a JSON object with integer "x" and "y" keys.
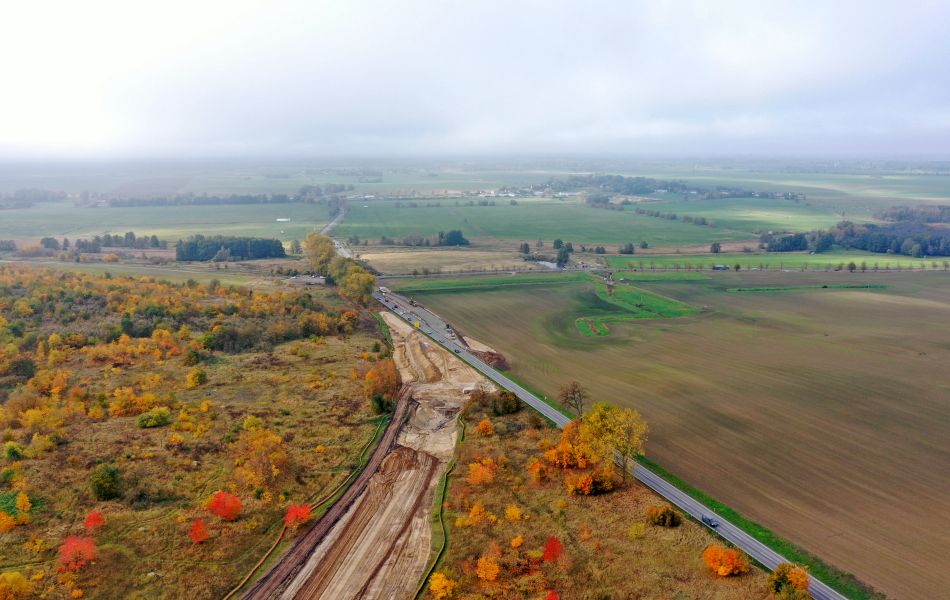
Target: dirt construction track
{"x": 374, "y": 542}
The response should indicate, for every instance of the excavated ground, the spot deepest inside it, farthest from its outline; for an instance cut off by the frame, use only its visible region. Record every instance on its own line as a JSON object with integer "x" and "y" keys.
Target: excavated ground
{"x": 380, "y": 546}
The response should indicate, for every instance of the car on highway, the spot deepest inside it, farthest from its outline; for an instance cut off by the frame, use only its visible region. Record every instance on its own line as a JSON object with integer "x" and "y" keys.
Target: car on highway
{"x": 457, "y": 351}
{"x": 711, "y": 521}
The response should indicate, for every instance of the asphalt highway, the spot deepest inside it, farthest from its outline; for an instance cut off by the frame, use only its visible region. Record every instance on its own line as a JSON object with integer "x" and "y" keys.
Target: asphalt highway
{"x": 433, "y": 326}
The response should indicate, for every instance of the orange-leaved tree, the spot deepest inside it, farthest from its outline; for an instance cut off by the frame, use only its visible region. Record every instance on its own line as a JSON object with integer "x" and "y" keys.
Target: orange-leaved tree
{"x": 485, "y": 428}
{"x": 789, "y": 580}
{"x": 726, "y": 562}
{"x": 482, "y": 471}
{"x": 487, "y": 568}
{"x": 225, "y": 505}
{"x": 441, "y": 586}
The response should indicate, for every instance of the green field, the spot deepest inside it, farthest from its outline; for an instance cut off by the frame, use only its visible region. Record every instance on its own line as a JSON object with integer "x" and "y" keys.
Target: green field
{"x": 529, "y": 221}
{"x": 63, "y": 219}
{"x": 814, "y": 413}
{"x": 828, "y": 261}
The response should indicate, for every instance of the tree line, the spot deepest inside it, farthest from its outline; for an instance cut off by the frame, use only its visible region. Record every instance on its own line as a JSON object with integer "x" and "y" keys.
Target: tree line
{"x": 908, "y": 238}
{"x": 219, "y": 247}
{"x": 916, "y": 214}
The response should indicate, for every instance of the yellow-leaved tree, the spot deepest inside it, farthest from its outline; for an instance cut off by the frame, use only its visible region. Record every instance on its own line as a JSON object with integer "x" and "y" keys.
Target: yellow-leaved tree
{"x": 620, "y": 429}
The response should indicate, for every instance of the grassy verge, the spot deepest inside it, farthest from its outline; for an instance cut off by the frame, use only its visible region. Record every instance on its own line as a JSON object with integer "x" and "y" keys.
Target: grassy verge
{"x": 842, "y": 582}
{"x": 549, "y": 401}
{"x": 384, "y": 329}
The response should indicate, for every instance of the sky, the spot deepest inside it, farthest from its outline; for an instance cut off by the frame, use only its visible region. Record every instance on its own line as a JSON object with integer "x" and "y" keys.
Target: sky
{"x": 243, "y": 78}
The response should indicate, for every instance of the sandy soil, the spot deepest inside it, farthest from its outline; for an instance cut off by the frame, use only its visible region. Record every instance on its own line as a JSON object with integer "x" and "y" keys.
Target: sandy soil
{"x": 380, "y": 547}
{"x": 476, "y": 345}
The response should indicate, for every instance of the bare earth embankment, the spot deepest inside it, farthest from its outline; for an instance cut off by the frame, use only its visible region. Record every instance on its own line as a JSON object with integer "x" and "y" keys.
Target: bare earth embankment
{"x": 379, "y": 548}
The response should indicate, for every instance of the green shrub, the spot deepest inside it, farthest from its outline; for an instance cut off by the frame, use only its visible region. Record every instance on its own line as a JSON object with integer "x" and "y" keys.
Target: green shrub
{"x": 157, "y": 417}
{"x": 106, "y": 482}
{"x": 505, "y": 403}
{"x": 13, "y": 451}
{"x": 663, "y": 516}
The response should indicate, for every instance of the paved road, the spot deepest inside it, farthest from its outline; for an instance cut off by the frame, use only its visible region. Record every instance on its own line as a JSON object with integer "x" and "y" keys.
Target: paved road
{"x": 332, "y": 224}
{"x": 435, "y": 327}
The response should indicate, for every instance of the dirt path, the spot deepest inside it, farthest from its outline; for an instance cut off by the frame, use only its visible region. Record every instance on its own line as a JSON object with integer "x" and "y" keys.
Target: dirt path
{"x": 379, "y": 547}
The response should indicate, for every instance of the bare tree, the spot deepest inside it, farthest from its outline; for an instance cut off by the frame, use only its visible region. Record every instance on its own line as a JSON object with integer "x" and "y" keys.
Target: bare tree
{"x": 573, "y": 396}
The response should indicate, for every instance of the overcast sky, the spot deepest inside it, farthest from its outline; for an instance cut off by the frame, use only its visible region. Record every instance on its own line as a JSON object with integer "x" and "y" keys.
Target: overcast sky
{"x": 402, "y": 77}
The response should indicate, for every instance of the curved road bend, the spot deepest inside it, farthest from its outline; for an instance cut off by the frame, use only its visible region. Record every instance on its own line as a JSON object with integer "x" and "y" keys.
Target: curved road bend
{"x": 429, "y": 321}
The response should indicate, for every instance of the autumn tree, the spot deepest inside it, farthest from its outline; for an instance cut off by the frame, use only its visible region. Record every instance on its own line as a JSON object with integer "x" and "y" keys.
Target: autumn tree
{"x": 94, "y": 520}
{"x": 358, "y": 285}
{"x": 481, "y": 471}
{"x": 261, "y": 457}
{"x": 663, "y": 516}
{"x": 790, "y": 582}
{"x": 77, "y": 552}
{"x": 441, "y": 586}
{"x": 7, "y": 523}
{"x": 195, "y": 378}
{"x": 573, "y": 396}
{"x": 23, "y": 507}
{"x": 573, "y": 451}
{"x": 487, "y": 568}
{"x": 726, "y": 562}
{"x": 622, "y": 430}
{"x": 553, "y": 549}
{"x": 198, "y": 532}
{"x": 485, "y": 428}
{"x": 225, "y": 505}
{"x": 296, "y": 515}
{"x": 14, "y": 586}
{"x": 320, "y": 251}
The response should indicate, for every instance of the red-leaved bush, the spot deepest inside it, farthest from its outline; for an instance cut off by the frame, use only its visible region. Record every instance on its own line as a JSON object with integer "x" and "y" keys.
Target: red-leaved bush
{"x": 553, "y": 550}
{"x": 198, "y": 532}
{"x": 76, "y": 553}
{"x": 225, "y": 505}
{"x": 94, "y": 520}
{"x": 297, "y": 514}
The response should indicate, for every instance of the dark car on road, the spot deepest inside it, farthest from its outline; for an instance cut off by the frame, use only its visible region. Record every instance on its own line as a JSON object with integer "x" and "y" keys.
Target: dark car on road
{"x": 711, "y": 521}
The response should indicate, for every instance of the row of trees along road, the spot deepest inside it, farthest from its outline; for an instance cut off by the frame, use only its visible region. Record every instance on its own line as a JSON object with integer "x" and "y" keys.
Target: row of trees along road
{"x": 354, "y": 282}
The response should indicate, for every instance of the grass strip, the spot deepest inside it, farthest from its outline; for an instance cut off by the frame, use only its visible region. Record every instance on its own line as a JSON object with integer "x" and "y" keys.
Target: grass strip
{"x": 843, "y": 582}
{"x": 793, "y": 288}
{"x": 487, "y": 283}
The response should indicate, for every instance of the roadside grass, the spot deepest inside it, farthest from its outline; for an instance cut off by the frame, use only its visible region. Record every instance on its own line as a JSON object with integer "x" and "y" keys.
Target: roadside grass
{"x": 844, "y": 583}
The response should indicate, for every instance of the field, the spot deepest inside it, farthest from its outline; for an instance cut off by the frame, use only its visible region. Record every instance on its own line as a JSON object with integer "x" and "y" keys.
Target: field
{"x": 171, "y": 223}
{"x": 827, "y": 261}
{"x": 609, "y": 549}
{"x": 819, "y": 412}
{"x": 403, "y": 261}
{"x": 530, "y": 220}
{"x": 151, "y": 380}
